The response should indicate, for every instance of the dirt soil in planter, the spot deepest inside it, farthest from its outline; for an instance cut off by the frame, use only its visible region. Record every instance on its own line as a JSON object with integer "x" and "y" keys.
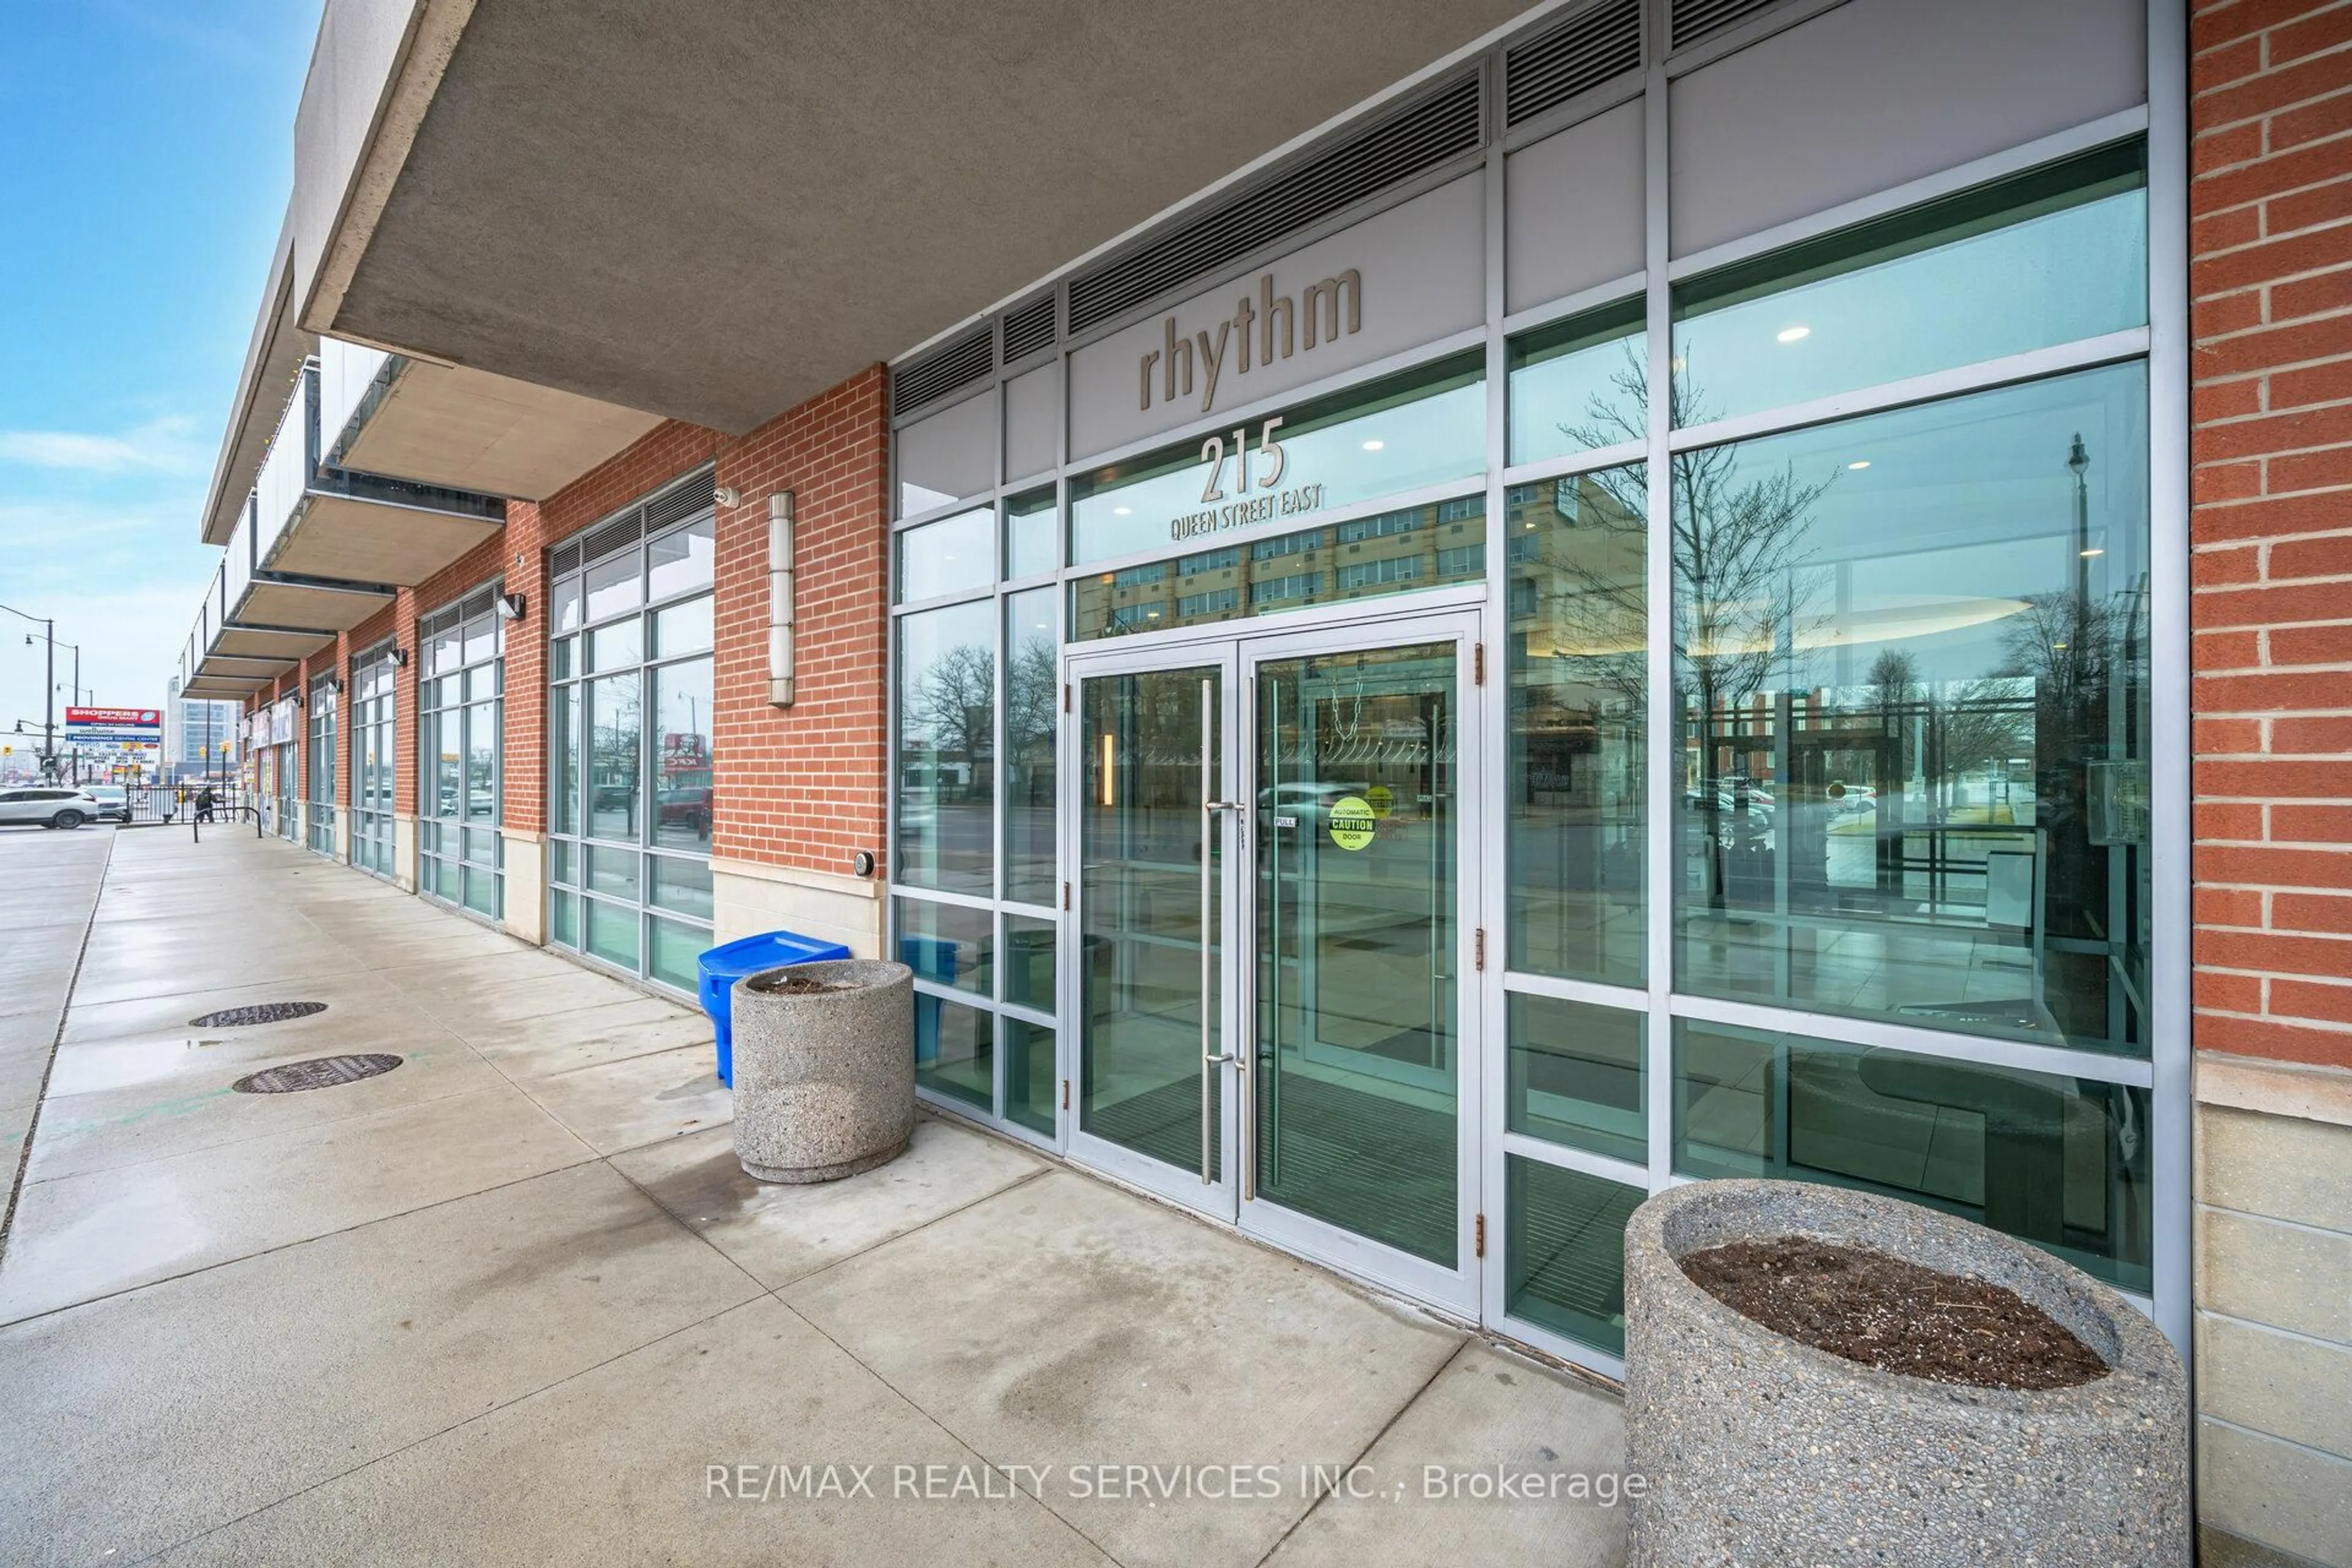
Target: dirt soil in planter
{"x": 1895, "y": 1316}
{"x": 792, "y": 986}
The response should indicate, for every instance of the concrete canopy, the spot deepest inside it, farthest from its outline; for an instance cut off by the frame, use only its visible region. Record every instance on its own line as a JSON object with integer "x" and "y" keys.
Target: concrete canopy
{"x": 714, "y": 211}
{"x": 346, "y": 540}
{"x": 446, "y": 424}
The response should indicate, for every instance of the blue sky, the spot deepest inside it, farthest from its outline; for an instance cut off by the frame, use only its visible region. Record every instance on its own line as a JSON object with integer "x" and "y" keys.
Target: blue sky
{"x": 145, "y": 148}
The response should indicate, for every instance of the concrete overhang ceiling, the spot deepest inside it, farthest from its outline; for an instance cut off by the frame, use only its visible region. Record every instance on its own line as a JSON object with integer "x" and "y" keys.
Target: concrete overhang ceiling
{"x": 714, "y": 211}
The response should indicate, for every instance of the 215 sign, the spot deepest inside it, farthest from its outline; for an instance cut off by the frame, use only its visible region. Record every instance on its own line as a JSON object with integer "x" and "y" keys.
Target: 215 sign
{"x": 1212, "y": 452}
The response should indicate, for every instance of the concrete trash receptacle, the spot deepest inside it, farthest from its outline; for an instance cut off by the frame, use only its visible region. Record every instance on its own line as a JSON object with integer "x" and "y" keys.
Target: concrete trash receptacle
{"x": 1756, "y": 1447}
{"x": 824, "y": 1068}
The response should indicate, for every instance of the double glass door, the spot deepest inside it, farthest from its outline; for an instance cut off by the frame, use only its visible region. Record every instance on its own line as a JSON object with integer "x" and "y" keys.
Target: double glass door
{"x": 1271, "y": 941}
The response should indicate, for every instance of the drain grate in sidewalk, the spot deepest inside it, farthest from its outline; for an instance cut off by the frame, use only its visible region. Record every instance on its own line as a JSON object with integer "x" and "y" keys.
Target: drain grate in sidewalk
{"x": 266, "y": 1013}
{"x": 318, "y": 1072}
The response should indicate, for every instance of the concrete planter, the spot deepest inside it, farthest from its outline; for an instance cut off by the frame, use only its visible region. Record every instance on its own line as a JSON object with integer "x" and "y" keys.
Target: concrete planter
{"x": 824, "y": 1082}
{"x": 1757, "y": 1449}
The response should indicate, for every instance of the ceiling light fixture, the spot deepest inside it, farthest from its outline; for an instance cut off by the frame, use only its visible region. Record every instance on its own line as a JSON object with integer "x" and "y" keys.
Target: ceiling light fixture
{"x": 1374, "y": 445}
{"x": 1858, "y": 466}
{"x": 1791, "y": 334}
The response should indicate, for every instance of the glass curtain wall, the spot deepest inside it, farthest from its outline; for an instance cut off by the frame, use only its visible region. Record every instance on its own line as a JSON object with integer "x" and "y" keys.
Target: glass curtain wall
{"x": 460, "y": 855}
{"x": 630, "y": 783}
{"x": 371, "y": 759}
{"x": 977, "y": 720}
{"x": 290, "y": 791}
{"x": 1905, "y": 739}
{"x": 320, "y": 806}
{"x": 1824, "y": 730}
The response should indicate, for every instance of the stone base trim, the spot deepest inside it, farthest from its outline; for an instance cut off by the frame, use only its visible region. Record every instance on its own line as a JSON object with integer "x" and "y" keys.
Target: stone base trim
{"x": 2313, "y": 1093}
{"x": 748, "y": 898}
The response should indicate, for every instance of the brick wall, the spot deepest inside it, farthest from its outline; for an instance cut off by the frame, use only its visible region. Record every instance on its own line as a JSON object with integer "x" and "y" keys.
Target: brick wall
{"x": 2271, "y": 285}
{"x": 801, "y": 786}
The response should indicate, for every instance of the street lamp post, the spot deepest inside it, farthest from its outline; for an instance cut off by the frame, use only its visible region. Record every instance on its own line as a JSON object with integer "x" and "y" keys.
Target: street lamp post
{"x": 48, "y": 688}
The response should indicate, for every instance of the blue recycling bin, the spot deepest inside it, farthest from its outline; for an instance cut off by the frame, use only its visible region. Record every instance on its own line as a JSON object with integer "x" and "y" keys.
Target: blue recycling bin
{"x": 723, "y": 965}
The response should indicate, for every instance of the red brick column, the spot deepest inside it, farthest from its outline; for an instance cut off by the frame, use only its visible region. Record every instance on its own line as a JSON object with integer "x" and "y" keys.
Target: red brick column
{"x": 2271, "y": 285}
{"x": 404, "y": 704}
{"x": 524, "y": 711}
{"x": 802, "y": 786}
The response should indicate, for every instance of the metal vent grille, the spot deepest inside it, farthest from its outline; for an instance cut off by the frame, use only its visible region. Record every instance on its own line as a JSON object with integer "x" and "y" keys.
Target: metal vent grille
{"x": 698, "y": 494}
{"x": 959, "y": 363}
{"x": 1420, "y": 136}
{"x": 1579, "y": 54}
{"x": 613, "y": 538}
{"x": 564, "y": 562}
{"x": 480, "y": 605}
{"x": 1028, "y": 329}
{"x": 1693, "y": 20}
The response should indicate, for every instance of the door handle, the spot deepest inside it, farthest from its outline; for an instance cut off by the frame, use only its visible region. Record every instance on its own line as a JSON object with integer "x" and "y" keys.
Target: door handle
{"x": 1210, "y": 806}
{"x": 1210, "y": 1058}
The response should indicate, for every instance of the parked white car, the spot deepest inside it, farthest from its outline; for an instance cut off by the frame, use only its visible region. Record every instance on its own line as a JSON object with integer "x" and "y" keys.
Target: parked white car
{"x": 51, "y": 806}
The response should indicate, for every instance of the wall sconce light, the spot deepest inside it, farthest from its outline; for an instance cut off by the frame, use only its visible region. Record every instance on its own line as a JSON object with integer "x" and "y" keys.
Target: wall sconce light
{"x": 300, "y": 701}
{"x": 333, "y": 683}
{"x": 399, "y": 658}
{"x": 511, "y": 607}
{"x": 726, "y": 495}
{"x": 863, "y": 862}
{"x": 780, "y": 599}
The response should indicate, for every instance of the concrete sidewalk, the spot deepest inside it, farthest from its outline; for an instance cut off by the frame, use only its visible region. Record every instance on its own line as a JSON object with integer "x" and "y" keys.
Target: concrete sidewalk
{"x": 514, "y": 1300}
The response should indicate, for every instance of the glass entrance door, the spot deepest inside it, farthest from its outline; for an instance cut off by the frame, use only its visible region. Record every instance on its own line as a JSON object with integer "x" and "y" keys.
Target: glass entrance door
{"x": 1301, "y": 889}
{"x": 1152, "y": 856}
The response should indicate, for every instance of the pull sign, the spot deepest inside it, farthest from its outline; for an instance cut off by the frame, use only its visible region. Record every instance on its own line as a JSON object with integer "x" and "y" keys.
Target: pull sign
{"x": 1478, "y": 950}
{"x": 1477, "y": 664}
{"x": 1482, "y": 1218}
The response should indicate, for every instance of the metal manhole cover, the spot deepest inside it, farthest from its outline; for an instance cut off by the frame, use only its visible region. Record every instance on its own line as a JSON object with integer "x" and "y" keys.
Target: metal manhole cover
{"x": 318, "y": 1072}
{"x": 266, "y": 1013}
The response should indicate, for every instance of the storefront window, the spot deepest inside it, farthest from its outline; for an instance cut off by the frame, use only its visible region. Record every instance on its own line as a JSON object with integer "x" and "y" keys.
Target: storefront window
{"x": 1564, "y": 1251}
{"x": 1031, "y": 736}
{"x": 947, "y": 734}
{"x": 1029, "y": 534}
{"x": 955, "y": 552}
{"x": 1578, "y": 385}
{"x": 372, "y": 760}
{"x": 1911, "y": 666}
{"x": 632, "y": 801}
{"x": 1576, "y": 1076}
{"x": 460, "y": 750}
{"x": 2061, "y": 1162}
{"x": 1579, "y": 669}
{"x": 2051, "y": 257}
{"x": 321, "y": 782}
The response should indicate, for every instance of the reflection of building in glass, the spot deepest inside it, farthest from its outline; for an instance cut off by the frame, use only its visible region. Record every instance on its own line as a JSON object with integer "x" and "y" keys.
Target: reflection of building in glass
{"x": 1367, "y": 557}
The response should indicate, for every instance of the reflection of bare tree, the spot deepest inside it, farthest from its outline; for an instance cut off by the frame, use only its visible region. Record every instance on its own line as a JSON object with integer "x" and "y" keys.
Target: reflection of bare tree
{"x": 1962, "y": 724}
{"x": 1029, "y": 710}
{"x": 1976, "y": 723}
{"x": 953, "y": 707}
{"x": 1739, "y": 550}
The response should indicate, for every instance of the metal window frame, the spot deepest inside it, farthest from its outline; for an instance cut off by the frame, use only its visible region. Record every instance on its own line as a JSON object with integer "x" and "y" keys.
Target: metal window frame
{"x": 2162, "y": 345}
{"x": 648, "y": 666}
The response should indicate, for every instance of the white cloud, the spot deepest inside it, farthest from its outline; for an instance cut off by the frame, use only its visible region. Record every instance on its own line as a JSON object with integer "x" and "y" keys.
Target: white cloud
{"x": 160, "y": 446}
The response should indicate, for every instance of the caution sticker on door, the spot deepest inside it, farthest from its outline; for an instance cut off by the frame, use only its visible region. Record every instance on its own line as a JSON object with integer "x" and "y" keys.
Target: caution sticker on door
{"x": 1351, "y": 822}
